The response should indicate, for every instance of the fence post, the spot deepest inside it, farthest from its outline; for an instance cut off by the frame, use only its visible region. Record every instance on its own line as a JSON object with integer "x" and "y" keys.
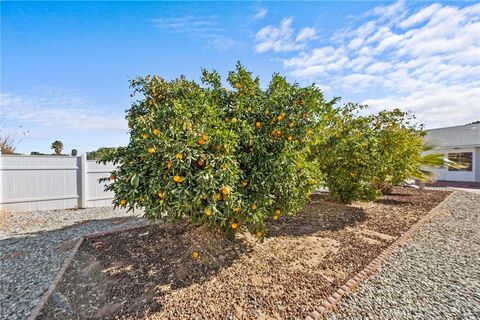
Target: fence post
{"x": 83, "y": 181}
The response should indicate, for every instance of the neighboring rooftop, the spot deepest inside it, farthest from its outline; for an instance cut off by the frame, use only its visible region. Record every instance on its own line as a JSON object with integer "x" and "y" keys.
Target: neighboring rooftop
{"x": 460, "y": 136}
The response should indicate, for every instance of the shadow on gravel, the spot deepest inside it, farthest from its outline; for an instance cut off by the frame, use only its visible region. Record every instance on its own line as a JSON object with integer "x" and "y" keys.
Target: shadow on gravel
{"x": 319, "y": 215}
{"x": 29, "y": 261}
{"x": 394, "y": 202}
{"x": 126, "y": 275}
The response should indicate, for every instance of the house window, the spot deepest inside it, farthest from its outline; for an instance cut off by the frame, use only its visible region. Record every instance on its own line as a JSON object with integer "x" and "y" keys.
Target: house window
{"x": 464, "y": 159}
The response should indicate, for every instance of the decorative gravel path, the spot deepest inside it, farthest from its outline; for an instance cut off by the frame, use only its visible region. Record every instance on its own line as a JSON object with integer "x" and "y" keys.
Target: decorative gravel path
{"x": 33, "y": 246}
{"x": 435, "y": 275}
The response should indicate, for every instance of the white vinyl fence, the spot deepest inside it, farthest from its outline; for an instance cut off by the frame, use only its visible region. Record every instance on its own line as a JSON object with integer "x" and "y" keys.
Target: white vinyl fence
{"x": 30, "y": 183}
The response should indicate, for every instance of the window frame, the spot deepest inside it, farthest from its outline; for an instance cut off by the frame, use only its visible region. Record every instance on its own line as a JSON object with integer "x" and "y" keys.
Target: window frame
{"x": 460, "y": 158}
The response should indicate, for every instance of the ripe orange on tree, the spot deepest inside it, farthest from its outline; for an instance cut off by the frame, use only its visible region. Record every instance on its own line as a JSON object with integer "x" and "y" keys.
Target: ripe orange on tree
{"x": 258, "y": 167}
{"x": 225, "y": 191}
{"x": 208, "y": 211}
{"x": 178, "y": 179}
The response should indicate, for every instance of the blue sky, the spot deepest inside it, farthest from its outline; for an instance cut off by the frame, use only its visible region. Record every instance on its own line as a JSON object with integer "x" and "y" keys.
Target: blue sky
{"x": 65, "y": 66}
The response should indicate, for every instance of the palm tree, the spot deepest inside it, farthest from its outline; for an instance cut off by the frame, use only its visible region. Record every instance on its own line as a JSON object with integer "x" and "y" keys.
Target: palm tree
{"x": 57, "y": 146}
{"x": 431, "y": 161}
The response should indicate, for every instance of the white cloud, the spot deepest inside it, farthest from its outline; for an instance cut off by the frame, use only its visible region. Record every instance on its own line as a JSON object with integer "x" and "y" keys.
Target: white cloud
{"x": 437, "y": 106}
{"x": 260, "y": 13}
{"x": 221, "y": 42}
{"x": 184, "y": 24}
{"x": 58, "y": 109}
{"x": 389, "y": 14}
{"x": 378, "y": 67}
{"x": 306, "y": 34}
{"x": 283, "y": 38}
{"x": 421, "y": 16}
{"x": 204, "y": 28}
{"x": 426, "y": 60}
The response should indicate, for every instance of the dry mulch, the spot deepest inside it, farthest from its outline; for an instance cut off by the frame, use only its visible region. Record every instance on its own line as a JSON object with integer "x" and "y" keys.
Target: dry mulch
{"x": 149, "y": 273}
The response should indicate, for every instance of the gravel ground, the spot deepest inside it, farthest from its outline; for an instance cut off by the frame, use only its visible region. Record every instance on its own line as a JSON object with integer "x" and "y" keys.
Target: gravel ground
{"x": 150, "y": 272}
{"x": 33, "y": 246}
{"x": 435, "y": 275}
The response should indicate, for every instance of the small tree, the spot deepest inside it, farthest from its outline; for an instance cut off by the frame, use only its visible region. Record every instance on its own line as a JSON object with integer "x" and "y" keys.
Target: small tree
{"x": 100, "y": 153}
{"x": 348, "y": 155}
{"x": 400, "y": 148}
{"x": 9, "y": 140}
{"x": 57, "y": 146}
{"x": 7, "y": 144}
{"x": 362, "y": 156}
{"x": 74, "y": 152}
{"x": 233, "y": 158}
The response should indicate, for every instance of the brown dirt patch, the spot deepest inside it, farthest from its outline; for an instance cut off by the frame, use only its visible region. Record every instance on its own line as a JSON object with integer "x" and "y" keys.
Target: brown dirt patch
{"x": 5, "y": 219}
{"x": 148, "y": 273}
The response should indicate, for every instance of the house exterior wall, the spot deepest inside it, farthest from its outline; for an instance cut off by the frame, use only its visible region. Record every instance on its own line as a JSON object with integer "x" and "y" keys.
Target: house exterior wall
{"x": 470, "y": 176}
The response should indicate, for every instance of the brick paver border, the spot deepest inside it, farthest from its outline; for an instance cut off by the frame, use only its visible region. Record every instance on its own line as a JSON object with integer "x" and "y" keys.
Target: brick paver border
{"x": 329, "y": 303}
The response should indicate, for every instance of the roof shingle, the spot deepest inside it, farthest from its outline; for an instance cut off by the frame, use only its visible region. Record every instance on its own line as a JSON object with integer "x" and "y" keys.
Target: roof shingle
{"x": 459, "y": 136}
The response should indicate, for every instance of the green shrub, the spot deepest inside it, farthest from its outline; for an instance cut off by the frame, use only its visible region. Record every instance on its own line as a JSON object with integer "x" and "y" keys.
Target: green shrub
{"x": 348, "y": 155}
{"x": 100, "y": 153}
{"x": 400, "y": 148}
{"x": 362, "y": 156}
{"x": 231, "y": 157}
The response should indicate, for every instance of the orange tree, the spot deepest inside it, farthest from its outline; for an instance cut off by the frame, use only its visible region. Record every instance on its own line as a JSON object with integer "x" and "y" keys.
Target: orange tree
{"x": 230, "y": 157}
